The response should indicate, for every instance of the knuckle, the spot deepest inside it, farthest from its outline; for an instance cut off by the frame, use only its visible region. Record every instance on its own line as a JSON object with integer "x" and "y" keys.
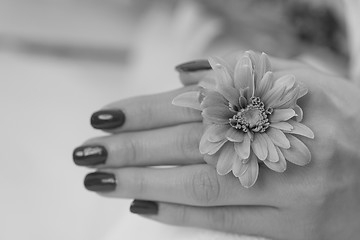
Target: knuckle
{"x": 128, "y": 155}
{"x": 203, "y": 187}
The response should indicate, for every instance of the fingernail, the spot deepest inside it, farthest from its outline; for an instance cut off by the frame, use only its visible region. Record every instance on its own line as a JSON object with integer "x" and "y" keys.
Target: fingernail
{"x": 108, "y": 119}
{"x": 144, "y": 207}
{"x": 89, "y": 155}
{"x": 100, "y": 182}
{"x": 193, "y": 66}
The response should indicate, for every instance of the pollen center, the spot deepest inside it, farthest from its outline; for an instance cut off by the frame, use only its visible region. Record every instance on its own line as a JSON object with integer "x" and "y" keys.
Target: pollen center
{"x": 253, "y": 118}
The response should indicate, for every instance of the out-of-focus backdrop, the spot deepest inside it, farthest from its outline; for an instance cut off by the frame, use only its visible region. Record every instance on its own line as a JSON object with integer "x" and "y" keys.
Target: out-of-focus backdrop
{"x": 61, "y": 60}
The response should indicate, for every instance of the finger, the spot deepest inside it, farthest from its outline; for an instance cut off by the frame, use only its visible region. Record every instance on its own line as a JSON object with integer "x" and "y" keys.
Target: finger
{"x": 144, "y": 112}
{"x": 177, "y": 145}
{"x": 196, "y": 185}
{"x": 259, "y": 221}
{"x": 192, "y": 72}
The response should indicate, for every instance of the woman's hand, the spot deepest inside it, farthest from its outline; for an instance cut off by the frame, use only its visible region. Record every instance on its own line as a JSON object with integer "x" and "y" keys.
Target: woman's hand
{"x": 319, "y": 201}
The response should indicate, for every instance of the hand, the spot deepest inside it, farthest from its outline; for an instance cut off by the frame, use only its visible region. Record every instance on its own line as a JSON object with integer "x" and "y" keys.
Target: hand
{"x": 319, "y": 201}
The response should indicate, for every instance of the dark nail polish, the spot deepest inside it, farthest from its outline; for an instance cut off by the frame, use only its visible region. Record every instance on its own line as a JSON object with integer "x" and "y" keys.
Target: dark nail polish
{"x": 108, "y": 119}
{"x": 89, "y": 155}
{"x": 198, "y": 65}
{"x": 144, "y": 207}
{"x": 100, "y": 182}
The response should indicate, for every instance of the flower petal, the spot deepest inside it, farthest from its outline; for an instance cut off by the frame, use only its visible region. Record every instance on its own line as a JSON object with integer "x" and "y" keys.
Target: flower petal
{"x": 216, "y": 133}
{"x": 210, "y": 148}
{"x": 243, "y": 149}
{"x": 279, "y": 166}
{"x": 230, "y": 93}
{"x": 298, "y": 153}
{"x": 243, "y": 75}
{"x": 239, "y": 167}
{"x": 250, "y": 176}
{"x": 286, "y": 81}
{"x": 301, "y": 129}
{"x": 280, "y": 115}
{"x": 216, "y": 61}
{"x": 284, "y": 126}
{"x": 299, "y": 112}
{"x": 273, "y": 95}
{"x": 213, "y": 99}
{"x": 188, "y": 99}
{"x": 217, "y": 115}
{"x": 265, "y": 84}
{"x": 259, "y": 146}
{"x": 288, "y": 100}
{"x": 278, "y": 137}
{"x": 226, "y": 159}
{"x": 265, "y": 66}
{"x": 234, "y": 135}
{"x": 272, "y": 153}
{"x": 222, "y": 71}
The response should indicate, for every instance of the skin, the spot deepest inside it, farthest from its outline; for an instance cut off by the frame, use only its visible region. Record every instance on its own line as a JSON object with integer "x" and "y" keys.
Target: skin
{"x": 318, "y": 201}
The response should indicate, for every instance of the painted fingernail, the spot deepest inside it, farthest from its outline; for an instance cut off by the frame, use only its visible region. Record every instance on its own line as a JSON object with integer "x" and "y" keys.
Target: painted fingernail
{"x": 90, "y": 155}
{"x": 108, "y": 119}
{"x": 193, "y": 66}
{"x": 100, "y": 182}
{"x": 144, "y": 207}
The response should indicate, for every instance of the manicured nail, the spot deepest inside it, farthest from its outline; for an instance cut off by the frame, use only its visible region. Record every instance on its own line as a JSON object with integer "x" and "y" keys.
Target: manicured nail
{"x": 89, "y": 155}
{"x": 100, "y": 182}
{"x": 193, "y": 66}
{"x": 144, "y": 207}
{"x": 108, "y": 119}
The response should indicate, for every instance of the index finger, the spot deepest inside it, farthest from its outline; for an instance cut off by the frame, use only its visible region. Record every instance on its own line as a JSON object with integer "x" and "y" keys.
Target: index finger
{"x": 144, "y": 113}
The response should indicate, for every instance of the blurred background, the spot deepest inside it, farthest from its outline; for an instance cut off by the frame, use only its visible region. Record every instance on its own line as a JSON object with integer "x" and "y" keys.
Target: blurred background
{"x": 61, "y": 60}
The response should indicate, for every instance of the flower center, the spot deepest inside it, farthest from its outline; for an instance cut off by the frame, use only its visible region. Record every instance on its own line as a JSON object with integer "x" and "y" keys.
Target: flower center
{"x": 253, "y": 118}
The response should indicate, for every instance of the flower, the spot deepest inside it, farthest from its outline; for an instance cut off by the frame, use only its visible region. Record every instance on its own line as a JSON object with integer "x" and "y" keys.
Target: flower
{"x": 250, "y": 117}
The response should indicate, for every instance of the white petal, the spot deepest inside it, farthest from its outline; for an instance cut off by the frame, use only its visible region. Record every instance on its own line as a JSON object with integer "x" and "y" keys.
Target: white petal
{"x": 226, "y": 159}
{"x": 221, "y": 71}
{"x": 272, "y": 153}
{"x": 214, "y": 99}
{"x": 217, "y": 115}
{"x": 230, "y": 93}
{"x": 282, "y": 126}
{"x": 249, "y": 178}
{"x": 243, "y": 76}
{"x": 265, "y": 84}
{"x": 280, "y": 115}
{"x": 286, "y": 81}
{"x": 243, "y": 149}
{"x": 303, "y": 90}
{"x": 288, "y": 100}
{"x": 210, "y": 148}
{"x": 259, "y": 146}
{"x": 239, "y": 168}
{"x": 299, "y": 113}
{"x": 298, "y": 153}
{"x": 278, "y": 137}
{"x": 215, "y": 61}
{"x": 265, "y": 66}
{"x": 188, "y": 99}
{"x": 301, "y": 129}
{"x": 234, "y": 135}
{"x": 216, "y": 133}
{"x": 279, "y": 166}
{"x": 273, "y": 95}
